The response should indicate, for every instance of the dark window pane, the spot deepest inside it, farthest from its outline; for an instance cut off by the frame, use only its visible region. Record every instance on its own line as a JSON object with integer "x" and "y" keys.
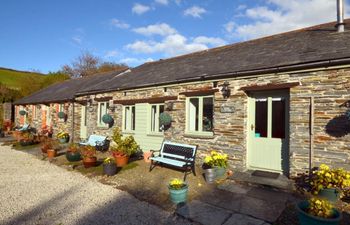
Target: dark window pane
{"x": 208, "y": 109}
{"x": 261, "y": 118}
{"x": 278, "y": 118}
{"x": 133, "y": 117}
{"x": 194, "y": 114}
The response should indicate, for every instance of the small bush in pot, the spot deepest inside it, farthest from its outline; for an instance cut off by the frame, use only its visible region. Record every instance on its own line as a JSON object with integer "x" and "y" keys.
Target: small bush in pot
{"x": 73, "y": 153}
{"x": 215, "y": 163}
{"x": 88, "y": 153}
{"x": 123, "y": 147}
{"x": 63, "y": 137}
{"x": 46, "y": 144}
{"x": 109, "y": 167}
{"x": 317, "y": 212}
{"x": 330, "y": 183}
{"x": 107, "y": 119}
{"x": 178, "y": 190}
{"x": 61, "y": 115}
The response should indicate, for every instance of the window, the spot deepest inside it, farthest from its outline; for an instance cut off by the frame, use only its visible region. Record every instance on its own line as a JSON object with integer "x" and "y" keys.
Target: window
{"x": 200, "y": 114}
{"x": 156, "y": 110}
{"x": 129, "y": 118}
{"x": 61, "y": 107}
{"x": 101, "y": 111}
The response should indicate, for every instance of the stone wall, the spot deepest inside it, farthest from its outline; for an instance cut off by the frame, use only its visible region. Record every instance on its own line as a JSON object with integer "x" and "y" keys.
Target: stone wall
{"x": 330, "y": 89}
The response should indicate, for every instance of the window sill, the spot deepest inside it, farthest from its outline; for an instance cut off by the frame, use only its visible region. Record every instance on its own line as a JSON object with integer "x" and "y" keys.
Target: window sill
{"x": 128, "y": 132}
{"x": 200, "y": 135}
{"x": 155, "y": 134}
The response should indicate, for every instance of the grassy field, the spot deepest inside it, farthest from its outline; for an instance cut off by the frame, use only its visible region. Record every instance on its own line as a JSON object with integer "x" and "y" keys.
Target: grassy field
{"x": 13, "y": 79}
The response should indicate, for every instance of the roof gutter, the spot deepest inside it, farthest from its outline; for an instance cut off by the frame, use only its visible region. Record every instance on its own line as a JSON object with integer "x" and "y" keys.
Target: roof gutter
{"x": 279, "y": 69}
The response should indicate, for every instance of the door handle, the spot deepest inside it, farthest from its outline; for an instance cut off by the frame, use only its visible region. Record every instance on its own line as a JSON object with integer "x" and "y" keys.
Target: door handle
{"x": 252, "y": 127}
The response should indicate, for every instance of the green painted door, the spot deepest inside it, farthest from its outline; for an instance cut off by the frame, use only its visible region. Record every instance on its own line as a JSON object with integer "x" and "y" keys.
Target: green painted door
{"x": 268, "y": 128}
{"x": 147, "y": 138}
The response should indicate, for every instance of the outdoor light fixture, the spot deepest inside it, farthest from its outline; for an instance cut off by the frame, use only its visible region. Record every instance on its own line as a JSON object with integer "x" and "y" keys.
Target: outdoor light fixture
{"x": 111, "y": 106}
{"x": 225, "y": 90}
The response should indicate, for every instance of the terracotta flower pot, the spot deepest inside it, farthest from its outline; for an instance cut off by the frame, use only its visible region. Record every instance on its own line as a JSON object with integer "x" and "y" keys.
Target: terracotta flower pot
{"x": 146, "y": 156}
{"x": 121, "y": 159}
{"x": 89, "y": 161}
{"x": 51, "y": 153}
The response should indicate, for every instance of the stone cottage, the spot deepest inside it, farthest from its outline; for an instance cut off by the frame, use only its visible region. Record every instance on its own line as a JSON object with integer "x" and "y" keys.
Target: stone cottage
{"x": 275, "y": 103}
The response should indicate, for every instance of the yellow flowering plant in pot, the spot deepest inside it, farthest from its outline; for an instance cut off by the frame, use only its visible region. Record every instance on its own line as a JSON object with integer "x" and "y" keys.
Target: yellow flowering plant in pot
{"x": 214, "y": 165}
{"x": 330, "y": 183}
{"x": 317, "y": 211}
{"x": 178, "y": 190}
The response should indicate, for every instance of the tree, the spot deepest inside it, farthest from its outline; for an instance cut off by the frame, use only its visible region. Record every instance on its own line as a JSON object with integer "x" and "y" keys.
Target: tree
{"x": 87, "y": 64}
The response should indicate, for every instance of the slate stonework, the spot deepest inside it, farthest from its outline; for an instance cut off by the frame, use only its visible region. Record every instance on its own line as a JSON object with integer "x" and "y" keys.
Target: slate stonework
{"x": 329, "y": 88}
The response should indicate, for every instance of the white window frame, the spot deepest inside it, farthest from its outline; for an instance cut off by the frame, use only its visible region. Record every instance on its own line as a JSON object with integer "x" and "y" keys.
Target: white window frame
{"x": 127, "y": 125}
{"x": 156, "y": 119}
{"x": 100, "y": 114}
{"x": 200, "y": 131}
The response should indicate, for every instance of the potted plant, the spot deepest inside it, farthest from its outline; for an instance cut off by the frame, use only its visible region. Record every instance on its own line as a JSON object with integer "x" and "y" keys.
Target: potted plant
{"x": 89, "y": 155}
{"x": 178, "y": 190}
{"x": 329, "y": 183}
{"x": 63, "y": 137}
{"x": 123, "y": 148}
{"x": 214, "y": 166}
{"x": 109, "y": 167}
{"x": 73, "y": 153}
{"x": 317, "y": 212}
{"x": 26, "y": 138}
{"x": 22, "y": 112}
{"x": 51, "y": 149}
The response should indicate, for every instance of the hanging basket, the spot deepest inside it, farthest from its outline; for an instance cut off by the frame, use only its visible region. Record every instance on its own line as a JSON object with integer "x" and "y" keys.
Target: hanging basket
{"x": 22, "y": 112}
{"x": 347, "y": 114}
{"x": 164, "y": 119}
{"x": 61, "y": 115}
{"x": 107, "y": 119}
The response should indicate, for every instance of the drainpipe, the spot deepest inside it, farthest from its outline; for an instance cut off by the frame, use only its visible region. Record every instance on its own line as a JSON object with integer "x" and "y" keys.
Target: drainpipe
{"x": 340, "y": 16}
{"x": 311, "y": 132}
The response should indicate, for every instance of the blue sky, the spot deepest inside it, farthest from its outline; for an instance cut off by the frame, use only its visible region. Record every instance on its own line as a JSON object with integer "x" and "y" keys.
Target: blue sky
{"x": 44, "y": 35}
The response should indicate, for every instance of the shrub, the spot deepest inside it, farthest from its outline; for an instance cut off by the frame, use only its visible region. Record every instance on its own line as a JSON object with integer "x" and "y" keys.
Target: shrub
{"x": 88, "y": 151}
{"x": 126, "y": 145}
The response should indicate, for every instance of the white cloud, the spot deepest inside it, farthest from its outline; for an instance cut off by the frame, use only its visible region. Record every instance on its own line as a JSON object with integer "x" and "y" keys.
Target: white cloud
{"x": 195, "y": 11}
{"x": 229, "y": 26}
{"x": 178, "y": 2}
{"x": 77, "y": 40}
{"x": 284, "y": 15}
{"x": 175, "y": 44}
{"x": 111, "y": 54}
{"x": 135, "y": 61}
{"x": 140, "y": 9}
{"x": 119, "y": 24}
{"x": 162, "y": 29}
{"x": 241, "y": 7}
{"x": 209, "y": 41}
{"x": 162, "y": 2}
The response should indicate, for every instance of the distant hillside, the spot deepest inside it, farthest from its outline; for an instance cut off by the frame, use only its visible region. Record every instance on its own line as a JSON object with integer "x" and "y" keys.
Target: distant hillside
{"x": 16, "y": 84}
{"x": 14, "y": 79}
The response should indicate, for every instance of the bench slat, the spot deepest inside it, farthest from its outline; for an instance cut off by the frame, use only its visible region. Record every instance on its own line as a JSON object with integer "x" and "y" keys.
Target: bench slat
{"x": 173, "y": 162}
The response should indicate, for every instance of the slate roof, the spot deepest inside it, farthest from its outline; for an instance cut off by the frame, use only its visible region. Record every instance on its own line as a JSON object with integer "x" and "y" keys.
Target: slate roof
{"x": 311, "y": 47}
{"x": 66, "y": 90}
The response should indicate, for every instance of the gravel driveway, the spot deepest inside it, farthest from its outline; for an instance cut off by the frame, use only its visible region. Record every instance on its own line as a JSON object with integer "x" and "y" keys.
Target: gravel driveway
{"x": 36, "y": 192}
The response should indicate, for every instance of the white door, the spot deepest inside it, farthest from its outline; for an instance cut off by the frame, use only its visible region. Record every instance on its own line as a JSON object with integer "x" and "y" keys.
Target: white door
{"x": 268, "y": 128}
{"x": 83, "y": 123}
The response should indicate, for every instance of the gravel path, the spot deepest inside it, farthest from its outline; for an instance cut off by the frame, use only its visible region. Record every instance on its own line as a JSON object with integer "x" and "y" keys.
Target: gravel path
{"x": 36, "y": 192}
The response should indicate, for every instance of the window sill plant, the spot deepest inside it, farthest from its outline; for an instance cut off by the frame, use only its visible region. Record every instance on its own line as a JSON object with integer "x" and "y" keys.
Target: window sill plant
{"x": 123, "y": 147}
{"x": 73, "y": 153}
{"x": 317, "y": 211}
{"x": 178, "y": 190}
{"x": 330, "y": 183}
{"x": 109, "y": 167}
{"x": 89, "y": 155}
{"x": 214, "y": 166}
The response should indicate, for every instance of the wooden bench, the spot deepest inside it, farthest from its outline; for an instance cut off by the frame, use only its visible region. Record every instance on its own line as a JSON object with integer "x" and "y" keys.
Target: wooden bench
{"x": 174, "y": 154}
{"x": 98, "y": 141}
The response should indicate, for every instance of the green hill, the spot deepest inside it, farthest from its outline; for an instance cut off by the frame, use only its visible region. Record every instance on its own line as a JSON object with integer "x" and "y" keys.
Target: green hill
{"x": 14, "y": 79}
